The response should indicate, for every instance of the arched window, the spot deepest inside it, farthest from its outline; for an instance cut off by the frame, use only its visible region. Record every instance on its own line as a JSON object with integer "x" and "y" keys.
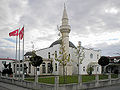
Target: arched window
{"x": 97, "y": 69}
{"x": 91, "y": 55}
{"x": 69, "y": 55}
{"x": 84, "y": 68}
{"x": 97, "y": 56}
{"x": 43, "y": 67}
{"x": 55, "y": 66}
{"x": 49, "y": 55}
{"x": 48, "y": 68}
{"x": 29, "y": 68}
{"x": 55, "y": 54}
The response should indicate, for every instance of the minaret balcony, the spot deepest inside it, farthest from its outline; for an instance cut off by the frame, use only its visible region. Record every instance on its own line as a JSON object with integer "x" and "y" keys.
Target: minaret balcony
{"x": 65, "y": 28}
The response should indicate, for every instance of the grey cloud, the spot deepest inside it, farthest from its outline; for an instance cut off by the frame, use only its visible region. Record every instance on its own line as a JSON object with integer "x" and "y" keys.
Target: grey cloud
{"x": 107, "y": 50}
{"x": 46, "y": 14}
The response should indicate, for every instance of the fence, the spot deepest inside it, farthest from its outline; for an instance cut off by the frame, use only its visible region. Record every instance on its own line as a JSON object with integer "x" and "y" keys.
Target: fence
{"x": 57, "y": 86}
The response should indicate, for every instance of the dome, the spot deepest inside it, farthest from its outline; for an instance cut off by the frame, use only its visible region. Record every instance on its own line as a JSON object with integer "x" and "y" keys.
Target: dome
{"x": 28, "y": 54}
{"x": 59, "y": 42}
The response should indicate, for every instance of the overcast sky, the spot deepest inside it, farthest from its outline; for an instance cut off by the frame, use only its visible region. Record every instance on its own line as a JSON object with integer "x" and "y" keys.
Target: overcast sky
{"x": 96, "y": 23}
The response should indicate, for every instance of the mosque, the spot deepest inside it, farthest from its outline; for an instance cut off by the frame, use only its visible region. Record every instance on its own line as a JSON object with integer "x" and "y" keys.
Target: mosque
{"x": 51, "y": 54}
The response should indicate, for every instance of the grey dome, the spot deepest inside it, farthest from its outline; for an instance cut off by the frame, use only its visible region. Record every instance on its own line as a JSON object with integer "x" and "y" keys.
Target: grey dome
{"x": 59, "y": 42}
{"x": 28, "y": 54}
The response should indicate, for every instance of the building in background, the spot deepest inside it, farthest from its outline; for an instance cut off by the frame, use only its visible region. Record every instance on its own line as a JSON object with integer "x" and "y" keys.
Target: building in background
{"x": 6, "y": 61}
{"x": 114, "y": 65}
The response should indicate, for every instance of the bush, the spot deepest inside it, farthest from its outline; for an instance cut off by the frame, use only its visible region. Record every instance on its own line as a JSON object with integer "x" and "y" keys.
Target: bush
{"x": 90, "y": 70}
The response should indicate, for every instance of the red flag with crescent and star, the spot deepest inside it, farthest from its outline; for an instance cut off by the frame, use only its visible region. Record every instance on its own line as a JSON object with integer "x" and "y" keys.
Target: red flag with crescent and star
{"x": 14, "y": 33}
{"x": 21, "y": 34}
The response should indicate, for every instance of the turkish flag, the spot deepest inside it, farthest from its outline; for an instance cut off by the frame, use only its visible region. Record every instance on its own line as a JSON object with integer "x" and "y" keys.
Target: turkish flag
{"x": 14, "y": 33}
{"x": 21, "y": 33}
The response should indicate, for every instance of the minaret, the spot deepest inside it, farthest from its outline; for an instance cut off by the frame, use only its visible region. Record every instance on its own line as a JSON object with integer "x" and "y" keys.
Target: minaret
{"x": 65, "y": 30}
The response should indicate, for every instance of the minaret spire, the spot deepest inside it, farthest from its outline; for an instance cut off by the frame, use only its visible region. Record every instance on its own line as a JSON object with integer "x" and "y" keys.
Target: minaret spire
{"x": 65, "y": 17}
{"x": 64, "y": 13}
{"x": 65, "y": 30}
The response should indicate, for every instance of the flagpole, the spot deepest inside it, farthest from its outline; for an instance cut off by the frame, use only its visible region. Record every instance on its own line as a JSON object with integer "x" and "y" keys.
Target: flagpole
{"x": 19, "y": 54}
{"x": 23, "y": 53}
{"x": 16, "y": 58}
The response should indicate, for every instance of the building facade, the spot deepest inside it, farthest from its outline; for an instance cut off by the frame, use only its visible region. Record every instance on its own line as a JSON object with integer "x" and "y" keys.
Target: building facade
{"x": 51, "y": 53}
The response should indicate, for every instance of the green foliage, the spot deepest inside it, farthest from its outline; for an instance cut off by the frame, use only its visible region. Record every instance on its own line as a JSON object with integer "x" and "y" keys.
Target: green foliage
{"x": 114, "y": 76}
{"x": 88, "y": 78}
{"x": 70, "y": 79}
{"x": 103, "y": 61}
{"x": 49, "y": 80}
{"x": 36, "y": 60}
{"x": 103, "y": 77}
{"x": 80, "y": 53}
{"x": 90, "y": 70}
{"x": 63, "y": 58}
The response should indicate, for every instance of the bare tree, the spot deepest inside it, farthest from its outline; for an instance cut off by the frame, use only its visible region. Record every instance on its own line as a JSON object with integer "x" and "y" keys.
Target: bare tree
{"x": 63, "y": 58}
{"x": 80, "y": 53}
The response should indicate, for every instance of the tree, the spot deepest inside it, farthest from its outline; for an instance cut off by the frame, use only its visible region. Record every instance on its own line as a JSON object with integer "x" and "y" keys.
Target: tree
{"x": 80, "y": 54}
{"x": 90, "y": 70}
{"x": 8, "y": 69}
{"x": 36, "y": 61}
{"x": 103, "y": 61}
{"x": 63, "y": 59}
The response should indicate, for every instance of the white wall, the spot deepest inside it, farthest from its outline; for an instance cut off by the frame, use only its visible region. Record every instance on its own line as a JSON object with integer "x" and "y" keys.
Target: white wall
{"x": 44, "y": 53}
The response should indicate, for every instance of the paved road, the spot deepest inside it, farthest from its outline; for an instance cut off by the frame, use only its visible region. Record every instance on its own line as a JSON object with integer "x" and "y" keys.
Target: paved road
{"x": 5, "y": 86}
{"x": 115, "y": 87}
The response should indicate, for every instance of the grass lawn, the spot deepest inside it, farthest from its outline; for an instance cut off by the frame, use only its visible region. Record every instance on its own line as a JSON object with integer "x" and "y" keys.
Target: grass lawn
{"x": 103, "y": 77}
{"x": 70, "y": 79}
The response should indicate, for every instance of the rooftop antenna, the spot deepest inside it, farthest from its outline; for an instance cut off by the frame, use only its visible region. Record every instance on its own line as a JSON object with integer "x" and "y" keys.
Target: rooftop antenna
{"x": 32, "y": 45}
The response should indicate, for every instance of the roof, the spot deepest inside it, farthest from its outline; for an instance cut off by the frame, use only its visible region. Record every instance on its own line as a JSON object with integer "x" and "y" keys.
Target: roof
{"x": 117, "y": 57}
{"x": 28, "y": 54}
{"x": 60, "y": 41}
{"x": 7, "y": 59}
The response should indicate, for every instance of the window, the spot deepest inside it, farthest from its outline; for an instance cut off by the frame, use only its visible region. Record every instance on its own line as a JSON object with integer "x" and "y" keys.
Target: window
{"x": 29, "y": 67}
{"x": 49, "y": 55}
{"x": 48, "y": 67}
{"x": 3, "y": 62}
{"x": 55, "y": 54}
{"x": 14, "y": 68}
{"x": 17, "y": 69}
{"x": 97, "y": 69}
{"x": 91, "y": 55}
{"x": 69, "y": 55}
{"x": 20, "y": 69}
{"x": 43, "y": 68}
{"x": 55, "y": 66}
{"x": 97, "y": 56}
{"x": 84, "y": 68}
{"x": 37, "y": 69}
{"x": 20, "y": 65}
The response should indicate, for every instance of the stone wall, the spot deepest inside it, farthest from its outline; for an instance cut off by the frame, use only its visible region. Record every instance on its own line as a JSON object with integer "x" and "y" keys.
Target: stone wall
{"x": 57, "y": 86}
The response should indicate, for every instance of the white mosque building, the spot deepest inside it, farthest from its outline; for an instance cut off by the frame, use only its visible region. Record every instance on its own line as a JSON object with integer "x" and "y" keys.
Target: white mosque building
{"x": 49, "y": 55}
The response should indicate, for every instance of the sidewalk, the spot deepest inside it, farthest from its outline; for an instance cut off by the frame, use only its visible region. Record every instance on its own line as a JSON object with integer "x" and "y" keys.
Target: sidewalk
{"x": 12, "y": 87}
